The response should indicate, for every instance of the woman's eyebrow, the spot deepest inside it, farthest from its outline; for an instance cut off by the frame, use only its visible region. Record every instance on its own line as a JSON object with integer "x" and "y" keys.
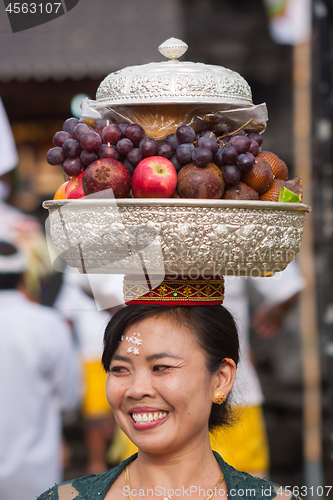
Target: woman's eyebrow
{"x": 118, "y": 357}
{"x": 160, "y": 355}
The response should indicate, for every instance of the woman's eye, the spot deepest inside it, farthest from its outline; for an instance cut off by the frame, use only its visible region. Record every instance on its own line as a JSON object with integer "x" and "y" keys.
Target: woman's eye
{"x": 160, "y": 368}
{"x": 118, "y": 369}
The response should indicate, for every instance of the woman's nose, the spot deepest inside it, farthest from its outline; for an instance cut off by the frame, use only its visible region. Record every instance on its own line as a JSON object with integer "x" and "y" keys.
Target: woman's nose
{"x": 140, "y": 386}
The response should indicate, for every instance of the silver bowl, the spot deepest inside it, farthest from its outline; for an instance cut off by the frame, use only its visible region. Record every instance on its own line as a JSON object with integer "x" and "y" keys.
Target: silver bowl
{"x": 186, "y": 237}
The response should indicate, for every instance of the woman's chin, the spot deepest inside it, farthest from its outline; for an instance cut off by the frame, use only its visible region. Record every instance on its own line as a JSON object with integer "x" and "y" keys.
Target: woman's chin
{"x": 155, "y": 449}
{"x": 153, "y": 445}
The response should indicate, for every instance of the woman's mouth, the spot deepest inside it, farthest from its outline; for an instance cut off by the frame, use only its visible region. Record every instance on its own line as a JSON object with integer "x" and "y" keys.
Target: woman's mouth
{"x": 146, "y": 418}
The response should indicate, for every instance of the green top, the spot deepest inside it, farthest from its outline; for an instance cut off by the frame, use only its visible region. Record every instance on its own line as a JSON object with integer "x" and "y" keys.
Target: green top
{"x": 240, "y": 485}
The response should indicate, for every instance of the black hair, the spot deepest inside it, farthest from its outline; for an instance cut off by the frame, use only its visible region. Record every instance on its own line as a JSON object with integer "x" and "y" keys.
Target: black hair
{"x": 9, "y": 281}
{"x": 214, "y": 327}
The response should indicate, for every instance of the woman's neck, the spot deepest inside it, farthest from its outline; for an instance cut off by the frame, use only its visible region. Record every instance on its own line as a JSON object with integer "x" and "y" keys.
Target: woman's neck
{"x": 193, "y": 466}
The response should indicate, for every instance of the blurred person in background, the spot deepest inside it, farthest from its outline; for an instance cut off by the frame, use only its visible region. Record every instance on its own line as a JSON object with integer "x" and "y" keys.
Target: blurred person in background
{"x": 244, "y": 445}
{"x": 76, "y": 303}
{"x": 25, "y": 230}
{"x": 8, "y": 157}
{"x": 39, "y": 377}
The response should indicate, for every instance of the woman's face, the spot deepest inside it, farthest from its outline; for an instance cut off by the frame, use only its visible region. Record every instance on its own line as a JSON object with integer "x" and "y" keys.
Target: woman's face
{"x": 162, "y": 395}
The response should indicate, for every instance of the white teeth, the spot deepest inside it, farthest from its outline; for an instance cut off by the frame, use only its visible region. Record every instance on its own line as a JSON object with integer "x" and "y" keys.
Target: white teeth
{"x": 141, "y": 418}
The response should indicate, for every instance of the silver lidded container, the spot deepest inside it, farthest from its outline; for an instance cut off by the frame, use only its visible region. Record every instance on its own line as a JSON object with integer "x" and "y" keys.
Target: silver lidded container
{"x": 188, "y": 237}
{"x": 174, "y": 81}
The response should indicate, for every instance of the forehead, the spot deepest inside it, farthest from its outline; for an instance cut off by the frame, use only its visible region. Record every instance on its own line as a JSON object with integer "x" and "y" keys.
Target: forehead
{"x": 162, "y": 331}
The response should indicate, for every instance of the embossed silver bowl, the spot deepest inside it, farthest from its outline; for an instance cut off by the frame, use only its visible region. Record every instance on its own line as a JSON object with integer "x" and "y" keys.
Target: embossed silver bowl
{"x": 179, "y": 236}
{"x": 173, "y": 81}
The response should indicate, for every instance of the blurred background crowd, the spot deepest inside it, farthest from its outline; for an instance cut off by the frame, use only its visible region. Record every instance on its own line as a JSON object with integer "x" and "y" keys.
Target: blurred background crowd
{"x": 44, "y": 73}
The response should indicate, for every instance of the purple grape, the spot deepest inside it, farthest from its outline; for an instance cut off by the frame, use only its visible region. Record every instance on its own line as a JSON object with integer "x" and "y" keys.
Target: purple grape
{"x": 245, "y": 161}
{"x": 55, "y": 156}
{"x": 165, "y": 149}
{"x": 253, "y": 136}
{"x": 123, "y": 126}
{"x": 103, "y": 122}
{"x": 148, "y": 147}
{"x": 71, "y": 148}
{"x": 91, "y": 141}
{"x": 218, "y": 159}
{"x": 134, "y": 156}
{"x": 111, "y": 134}
{"x": 108, "y": 151}
{"x": 72, "y": 166}
{"x": 202, "y": 156}
{"x": 129, "y": 166}
{"x": 241, "y": 143}
{"x": 70, "y": 125}
{"x": 87, "y": 157}
{"x": 231, "y": 174}
{"x": 224, "y": 140}
{"x": 208, "y": 133}
{"x": 135, "y": 133}
{"x": 60, "y": 137}
{"x": 124, "y": 146}
{"x": 229, "y": 154}
{"x": 185, "y": 133}
{"x": 184, "y": 153}
{"x": 80, "y": 129}
{"x": 208, "y": 142}
{"x": 172, "y": 139}
{"x": 254, "y": 148}
{"x": 176, "y": 163}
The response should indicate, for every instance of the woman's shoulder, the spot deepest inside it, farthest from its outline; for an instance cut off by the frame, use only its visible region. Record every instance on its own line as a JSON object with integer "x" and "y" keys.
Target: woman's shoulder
{"x": 242, "y": 485}
{"x": 94, "y": 487}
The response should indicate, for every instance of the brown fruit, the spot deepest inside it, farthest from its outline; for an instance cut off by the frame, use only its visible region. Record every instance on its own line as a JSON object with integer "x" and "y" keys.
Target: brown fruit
{"x": 200, "y": 182}
{"x": 273, "y": 193}
{"x": 280, "y": 169}
{"x": 295, "y": 185}
{"x": 240, "y": 191}
{"x": 260, "y": 177}
{"x": 107, "y": 173}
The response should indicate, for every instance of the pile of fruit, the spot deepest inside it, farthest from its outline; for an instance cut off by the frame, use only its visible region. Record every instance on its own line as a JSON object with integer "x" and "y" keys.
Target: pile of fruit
{"x": 119, "y": 160}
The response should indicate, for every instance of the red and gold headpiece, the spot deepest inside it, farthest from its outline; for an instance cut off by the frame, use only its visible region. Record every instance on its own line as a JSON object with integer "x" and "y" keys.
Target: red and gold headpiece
{"x": 174, "y": 291}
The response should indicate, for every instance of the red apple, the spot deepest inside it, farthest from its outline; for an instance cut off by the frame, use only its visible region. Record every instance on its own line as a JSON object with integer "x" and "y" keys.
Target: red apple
{"x": 154, "y": 177}
{"x": 74, "y": 187}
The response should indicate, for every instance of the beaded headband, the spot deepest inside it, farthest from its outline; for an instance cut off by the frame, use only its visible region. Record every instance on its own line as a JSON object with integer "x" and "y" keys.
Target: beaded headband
{"x": 174, "y": 291}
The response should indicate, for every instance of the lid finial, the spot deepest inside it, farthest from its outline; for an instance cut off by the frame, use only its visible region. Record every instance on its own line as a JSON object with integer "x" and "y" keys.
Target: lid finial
{"x": 173, "y": 48}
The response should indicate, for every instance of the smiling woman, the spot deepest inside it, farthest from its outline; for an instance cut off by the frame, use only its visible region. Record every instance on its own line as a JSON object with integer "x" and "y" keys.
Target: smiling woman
{"x": 175, "y": 333}
{"x": 170, "y": 372}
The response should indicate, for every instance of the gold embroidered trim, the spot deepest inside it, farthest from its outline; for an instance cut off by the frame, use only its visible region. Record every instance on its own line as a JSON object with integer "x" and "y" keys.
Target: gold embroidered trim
{"x": 175, "y": 291}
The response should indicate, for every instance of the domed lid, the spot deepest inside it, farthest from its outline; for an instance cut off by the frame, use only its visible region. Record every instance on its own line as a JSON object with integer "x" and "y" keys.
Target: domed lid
{"x": 173, "y": 81}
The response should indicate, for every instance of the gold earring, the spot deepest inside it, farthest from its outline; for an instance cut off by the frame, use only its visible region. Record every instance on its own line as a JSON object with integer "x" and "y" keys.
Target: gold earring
{"x": 219, "y": 398}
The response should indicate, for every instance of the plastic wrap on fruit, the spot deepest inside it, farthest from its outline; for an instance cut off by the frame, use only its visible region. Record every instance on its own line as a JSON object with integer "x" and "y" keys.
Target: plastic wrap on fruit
{"x": 89, "y": 111}
{"x": 256, "y": 116}
{"x": 161, "y": 120}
